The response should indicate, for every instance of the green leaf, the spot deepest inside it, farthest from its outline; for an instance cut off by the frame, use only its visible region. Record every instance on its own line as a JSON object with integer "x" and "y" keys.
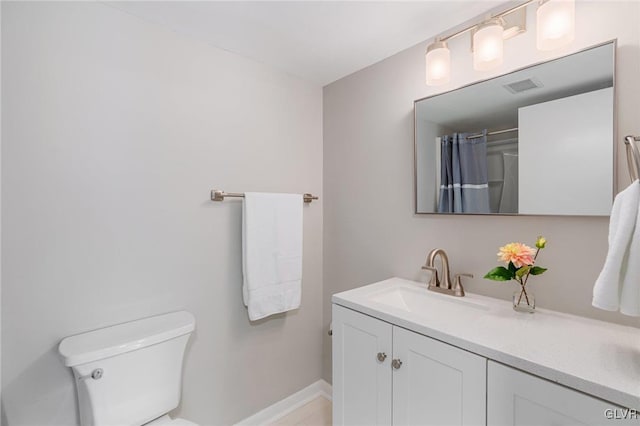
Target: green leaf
{"x": 522, "y": 271}
{"x": 512, "y": 267}
{"x": 537, "y": 270}
{"x": 499, "y": 273}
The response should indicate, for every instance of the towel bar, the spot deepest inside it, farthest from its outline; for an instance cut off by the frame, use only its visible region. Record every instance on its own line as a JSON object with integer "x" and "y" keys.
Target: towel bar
{"x": 633, "y": 156}
{"x": 219, "y": 195}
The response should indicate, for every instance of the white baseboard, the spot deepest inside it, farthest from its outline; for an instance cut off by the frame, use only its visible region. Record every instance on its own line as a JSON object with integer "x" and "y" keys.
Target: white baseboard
{"x": 287, "y": 405}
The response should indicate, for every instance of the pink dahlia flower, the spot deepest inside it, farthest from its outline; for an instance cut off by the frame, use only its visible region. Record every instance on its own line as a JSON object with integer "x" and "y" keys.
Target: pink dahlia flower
{"x": 517, "y": 253}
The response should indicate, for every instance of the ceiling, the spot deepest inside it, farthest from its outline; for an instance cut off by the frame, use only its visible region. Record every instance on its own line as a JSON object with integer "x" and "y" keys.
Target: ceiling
{"x": 319, "y": 41}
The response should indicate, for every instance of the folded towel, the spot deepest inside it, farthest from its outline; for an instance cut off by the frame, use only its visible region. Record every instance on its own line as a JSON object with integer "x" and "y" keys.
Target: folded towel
{"x": 616, "y": 275}
{"x": 271, "y": 253}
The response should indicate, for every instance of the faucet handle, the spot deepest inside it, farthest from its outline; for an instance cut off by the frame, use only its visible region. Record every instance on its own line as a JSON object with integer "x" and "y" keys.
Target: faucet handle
{"x": 435, "y": 281}
{"x": 459, "y": 290}
{"x": 463, "y": 275}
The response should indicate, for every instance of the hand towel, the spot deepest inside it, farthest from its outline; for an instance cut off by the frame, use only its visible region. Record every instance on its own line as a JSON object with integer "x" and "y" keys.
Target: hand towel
{"x": 630, "y": 294}
{"x": 271, "y": 253}
{"x": 607, "y": 291}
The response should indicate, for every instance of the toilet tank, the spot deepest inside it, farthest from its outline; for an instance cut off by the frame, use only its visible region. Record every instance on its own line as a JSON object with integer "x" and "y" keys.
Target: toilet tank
{"x": 131, "y": 373}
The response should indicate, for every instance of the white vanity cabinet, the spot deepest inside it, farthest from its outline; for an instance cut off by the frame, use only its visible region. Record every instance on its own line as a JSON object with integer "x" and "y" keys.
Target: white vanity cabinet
{"x": 473, "y": 360}
{"x": 384, "y": 374}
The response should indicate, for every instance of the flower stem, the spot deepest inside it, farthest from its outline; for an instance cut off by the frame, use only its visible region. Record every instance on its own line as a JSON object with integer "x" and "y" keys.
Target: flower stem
{"x": 529, "y": 272}
{"x": 523, "y": 292}
{"x": 526, "y": 296}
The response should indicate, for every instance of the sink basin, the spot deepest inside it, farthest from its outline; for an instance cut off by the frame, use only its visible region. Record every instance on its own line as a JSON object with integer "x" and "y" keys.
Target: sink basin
{"x": 419, "y": 299}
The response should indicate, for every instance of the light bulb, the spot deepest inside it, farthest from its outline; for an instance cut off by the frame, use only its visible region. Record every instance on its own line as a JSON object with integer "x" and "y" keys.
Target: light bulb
{"x": 438, "y": 64}
{"x": 555, "y": 24}
{"x": 488, "y": 44}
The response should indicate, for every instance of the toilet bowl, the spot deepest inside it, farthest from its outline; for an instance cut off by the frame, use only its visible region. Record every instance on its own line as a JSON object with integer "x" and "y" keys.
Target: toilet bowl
{"x": 114, "y": 366}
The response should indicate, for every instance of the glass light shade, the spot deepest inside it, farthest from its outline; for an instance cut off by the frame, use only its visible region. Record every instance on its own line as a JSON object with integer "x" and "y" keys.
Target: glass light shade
{"x": 488, "y": 46}
{"x": 438, "y": 64}
{"x": 556, "y": 20}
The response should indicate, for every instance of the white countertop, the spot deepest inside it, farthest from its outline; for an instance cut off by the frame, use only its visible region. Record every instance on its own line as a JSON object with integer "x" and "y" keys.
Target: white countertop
{"x": 595, "y": 357}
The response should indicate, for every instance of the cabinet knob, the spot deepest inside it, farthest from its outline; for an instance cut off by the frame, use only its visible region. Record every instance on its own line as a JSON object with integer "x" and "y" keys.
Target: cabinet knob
{"x": 382, "y": 356}
{"x": 396, "y": 364}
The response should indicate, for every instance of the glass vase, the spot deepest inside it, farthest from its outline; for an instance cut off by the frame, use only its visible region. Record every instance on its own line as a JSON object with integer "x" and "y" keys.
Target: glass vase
{"x": 524, "y": 301}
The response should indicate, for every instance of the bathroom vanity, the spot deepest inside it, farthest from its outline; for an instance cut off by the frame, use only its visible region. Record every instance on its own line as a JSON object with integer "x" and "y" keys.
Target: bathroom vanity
{"x": 404, "y": 355}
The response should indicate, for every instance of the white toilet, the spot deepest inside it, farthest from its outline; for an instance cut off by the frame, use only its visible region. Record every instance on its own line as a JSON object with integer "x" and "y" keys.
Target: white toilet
{"x": 130, "y": 374}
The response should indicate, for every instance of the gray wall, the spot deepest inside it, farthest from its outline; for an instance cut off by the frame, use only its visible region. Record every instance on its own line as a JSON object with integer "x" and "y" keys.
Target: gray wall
{"x": 371, "y": 232}
{"x": 115, "y": 131}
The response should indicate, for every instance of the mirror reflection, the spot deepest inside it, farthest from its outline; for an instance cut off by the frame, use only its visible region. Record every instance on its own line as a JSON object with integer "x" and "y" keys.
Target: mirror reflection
{"x": 534, "y": 141}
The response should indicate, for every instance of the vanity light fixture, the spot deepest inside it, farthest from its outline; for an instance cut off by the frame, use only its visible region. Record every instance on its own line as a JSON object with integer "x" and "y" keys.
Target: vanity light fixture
{"x": 555, "y": 21}
{"x": 438, "y": 59}
{"x": 488, "y": 43}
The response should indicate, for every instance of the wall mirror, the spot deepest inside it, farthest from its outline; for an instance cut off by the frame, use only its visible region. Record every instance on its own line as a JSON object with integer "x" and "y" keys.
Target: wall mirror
{"x": 537, "y": 141}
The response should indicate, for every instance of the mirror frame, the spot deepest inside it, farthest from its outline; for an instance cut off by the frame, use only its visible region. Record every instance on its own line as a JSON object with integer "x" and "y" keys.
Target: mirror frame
{"x": 614, "y": 43}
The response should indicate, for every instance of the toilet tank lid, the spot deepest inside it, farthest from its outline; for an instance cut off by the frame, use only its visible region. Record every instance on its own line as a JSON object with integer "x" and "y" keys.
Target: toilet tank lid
{"x": 125, "y": 337}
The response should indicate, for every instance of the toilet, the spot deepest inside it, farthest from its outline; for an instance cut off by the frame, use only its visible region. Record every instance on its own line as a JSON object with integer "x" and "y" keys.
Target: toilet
{"x": 130, "y": 374}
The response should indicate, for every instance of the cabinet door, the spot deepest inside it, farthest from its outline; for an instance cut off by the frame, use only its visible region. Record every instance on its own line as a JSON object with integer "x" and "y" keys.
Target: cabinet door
{"x": 518, "y": 398}
{"x": 361, "y": 380}
{"x": 437, "y": 384}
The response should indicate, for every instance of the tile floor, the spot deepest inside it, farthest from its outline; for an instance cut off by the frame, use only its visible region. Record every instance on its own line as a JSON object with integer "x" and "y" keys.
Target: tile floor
{"x": 317, "y": 412}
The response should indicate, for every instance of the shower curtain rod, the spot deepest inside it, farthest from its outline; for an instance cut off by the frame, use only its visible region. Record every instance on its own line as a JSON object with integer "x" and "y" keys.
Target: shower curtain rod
{"x": 495, "y": 132}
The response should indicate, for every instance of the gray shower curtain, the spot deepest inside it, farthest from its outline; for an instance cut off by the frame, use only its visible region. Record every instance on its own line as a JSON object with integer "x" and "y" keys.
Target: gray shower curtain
{"x": 464, "y": 183}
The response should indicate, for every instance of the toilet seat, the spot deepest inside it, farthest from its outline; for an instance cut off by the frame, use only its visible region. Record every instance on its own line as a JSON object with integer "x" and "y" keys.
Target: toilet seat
{"x": 168, "y": 421}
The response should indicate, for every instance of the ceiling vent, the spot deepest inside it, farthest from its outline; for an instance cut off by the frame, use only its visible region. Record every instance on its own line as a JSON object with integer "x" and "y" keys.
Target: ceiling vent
{"x": 523, "y": 85}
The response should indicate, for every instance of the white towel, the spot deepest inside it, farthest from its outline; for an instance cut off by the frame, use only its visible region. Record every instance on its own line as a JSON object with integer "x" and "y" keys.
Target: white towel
{"x": 620, "y": 277}
{"x": 630, "y": 294}
{"x": 271, "y": 253}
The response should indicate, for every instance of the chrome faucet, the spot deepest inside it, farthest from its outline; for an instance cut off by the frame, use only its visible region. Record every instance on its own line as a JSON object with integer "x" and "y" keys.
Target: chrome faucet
{"x": 445, "y": 286}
